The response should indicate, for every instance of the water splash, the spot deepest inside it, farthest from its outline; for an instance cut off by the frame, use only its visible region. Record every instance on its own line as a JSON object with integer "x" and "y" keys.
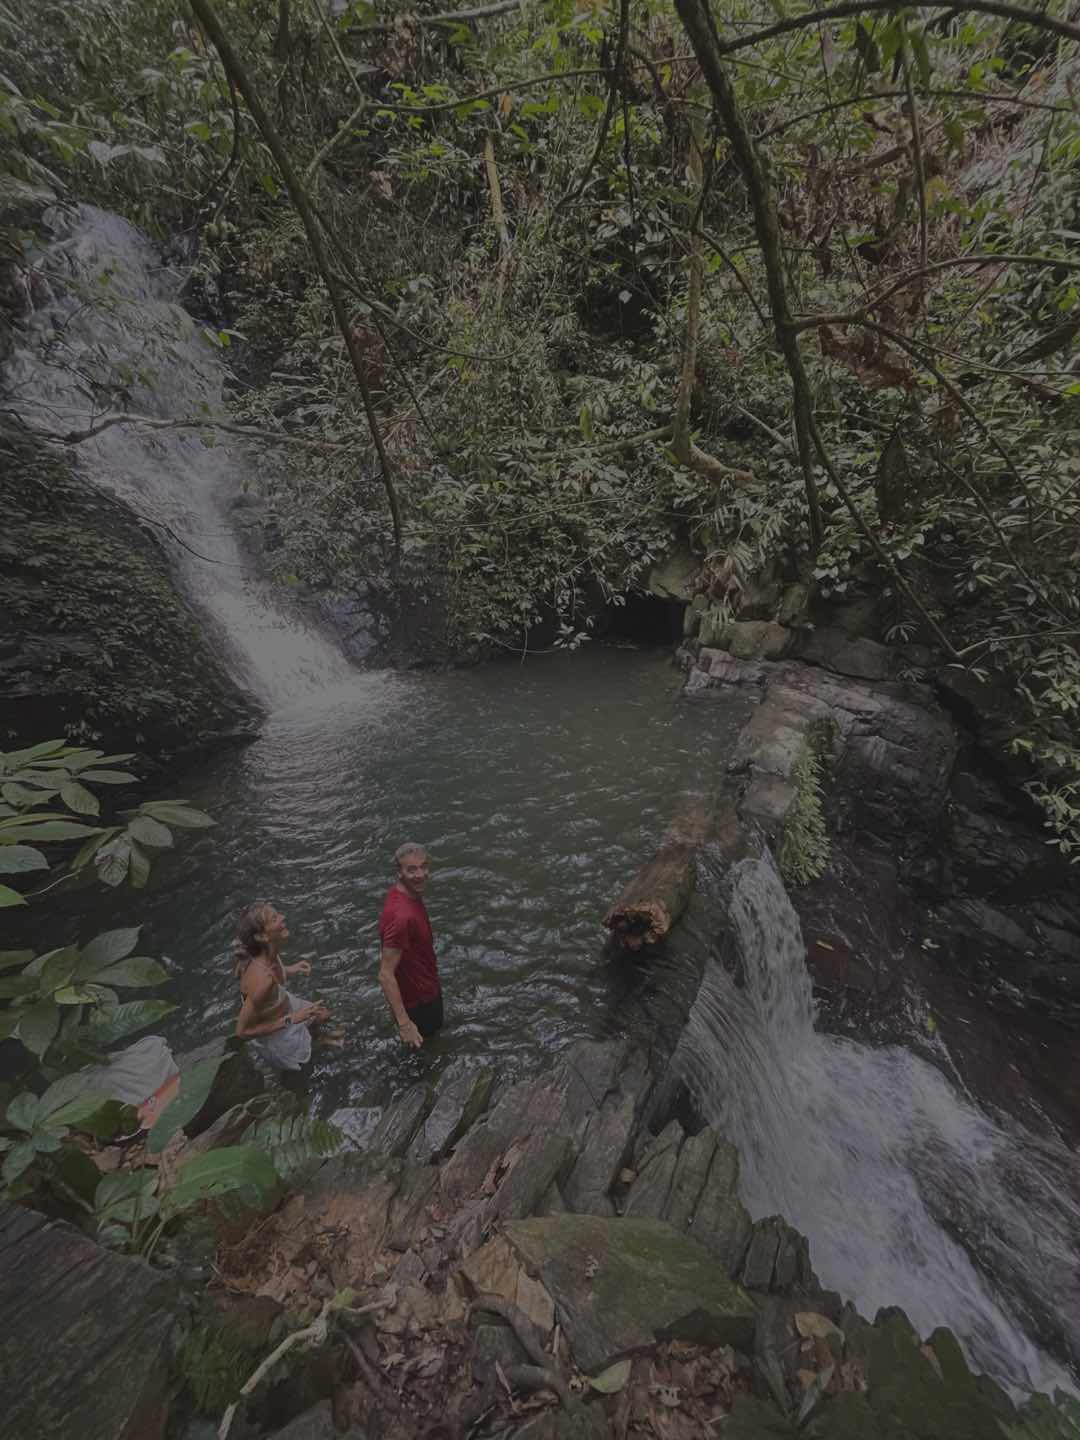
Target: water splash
{"x": 874, "y": 1156}
{"x": 112, "y": 337}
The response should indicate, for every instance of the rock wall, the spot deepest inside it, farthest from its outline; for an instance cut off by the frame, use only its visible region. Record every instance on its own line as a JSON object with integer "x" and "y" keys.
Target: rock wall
{"x": 908, "y": 781}
{"x": 94, "y": 639}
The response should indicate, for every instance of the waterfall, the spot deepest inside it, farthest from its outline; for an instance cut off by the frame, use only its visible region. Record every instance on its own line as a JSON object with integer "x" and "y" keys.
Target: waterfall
{"x": 875, "y": 1157}
{"x": 113, "y": 337}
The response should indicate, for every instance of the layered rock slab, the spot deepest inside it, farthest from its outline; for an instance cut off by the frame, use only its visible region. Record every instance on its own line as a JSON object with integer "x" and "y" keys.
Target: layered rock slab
{"x": 621, "y": 1285}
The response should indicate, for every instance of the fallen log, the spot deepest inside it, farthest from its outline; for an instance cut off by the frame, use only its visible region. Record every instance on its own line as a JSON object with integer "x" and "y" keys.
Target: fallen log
{"x": 659, "y": 893}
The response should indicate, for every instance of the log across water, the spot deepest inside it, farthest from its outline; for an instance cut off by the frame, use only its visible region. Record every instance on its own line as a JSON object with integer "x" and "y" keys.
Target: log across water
{"x": 660, "y": 891}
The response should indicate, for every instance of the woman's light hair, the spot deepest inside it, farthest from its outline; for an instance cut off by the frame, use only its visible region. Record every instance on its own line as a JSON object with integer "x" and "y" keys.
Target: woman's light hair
{"x": 409, "y": 848}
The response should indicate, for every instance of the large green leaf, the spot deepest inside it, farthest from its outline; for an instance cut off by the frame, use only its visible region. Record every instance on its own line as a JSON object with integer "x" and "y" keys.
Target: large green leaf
{"x": 33, "y": 828}
{"x": 9, "y": 897}
{"x": 38, "y": 1025}
{"x": 22, "y": 1112}
{"x": 140, "y": 867}
{"x": 16, "y": 859}
{"x": 235, "y": 1167}
{"x": 12, "y": 986}
{"x": 58, "y": 969}
{"x": 80, "y": 1113}
{"x": 294, "y": 1141}
{"x": 76, "y": 797}
{"x": 133, "y": 973}
{"x": 105, "y": 949}
{"x": 110, "y": 777}
{"x": 19, "y": 1158}
{"x": 195, "y": 1086}
{"x": 126, "y": 1196}
{"x": 16, "y": 759}
{"x": 113, "y": 859}
{"x": 175, "y": 812}
{"x": 149, "y": 831}
{"x": 47, "y": 957}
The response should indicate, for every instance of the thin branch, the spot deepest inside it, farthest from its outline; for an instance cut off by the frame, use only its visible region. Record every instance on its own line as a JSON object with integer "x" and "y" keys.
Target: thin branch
{"x": 697, "y": 22}
{"x": 444, "y": 17}
{"x": 1037, "y": 18}
{"x": 916, "y": 146}
{"x": 872, "y": 95}
{"x": 152, "y": 422}
{"x": 204, "y": 12}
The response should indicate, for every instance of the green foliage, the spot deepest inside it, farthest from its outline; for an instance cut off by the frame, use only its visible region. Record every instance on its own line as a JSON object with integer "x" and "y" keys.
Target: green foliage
{"x": 62, "y": 1005}
{"x": 195, "y": 1087}
{"x": 213, "y": 1369}
{"x": 804, "y": 850}
{"x": 1040, "y": 1418}
{"x": 295, "y": 1142}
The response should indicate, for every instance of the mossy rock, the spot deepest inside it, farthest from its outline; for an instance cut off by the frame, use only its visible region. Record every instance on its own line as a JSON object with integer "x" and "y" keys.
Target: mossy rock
{"x": 96, "y": 642}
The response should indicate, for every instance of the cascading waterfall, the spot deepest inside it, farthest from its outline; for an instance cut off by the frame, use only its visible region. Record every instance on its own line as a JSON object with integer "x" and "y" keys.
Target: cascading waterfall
{"x": 112, "y": 337}
{"x": 874, "y": 1156}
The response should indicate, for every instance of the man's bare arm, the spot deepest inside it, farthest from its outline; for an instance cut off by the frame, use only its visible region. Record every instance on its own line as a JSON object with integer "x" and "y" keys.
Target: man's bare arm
{"x": 388, "y": 980}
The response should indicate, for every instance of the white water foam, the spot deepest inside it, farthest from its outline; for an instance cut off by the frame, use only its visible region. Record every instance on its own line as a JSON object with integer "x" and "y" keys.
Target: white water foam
{"x": 876, "y": 1158}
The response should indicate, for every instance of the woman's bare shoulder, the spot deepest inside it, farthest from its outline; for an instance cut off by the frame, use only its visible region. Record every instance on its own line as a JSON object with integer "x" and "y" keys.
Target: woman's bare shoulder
{"x": 257, "y": 979}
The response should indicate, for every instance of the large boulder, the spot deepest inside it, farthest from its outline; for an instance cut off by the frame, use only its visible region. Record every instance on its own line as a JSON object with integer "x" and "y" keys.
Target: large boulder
{"x": 86, "y": 1344}
{"x": 622, "y": 1285}
{"x": 94, "y": 634}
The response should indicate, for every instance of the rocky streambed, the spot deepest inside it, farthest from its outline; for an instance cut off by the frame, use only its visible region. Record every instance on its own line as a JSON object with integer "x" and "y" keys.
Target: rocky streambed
{"x": 560, "y": 1257}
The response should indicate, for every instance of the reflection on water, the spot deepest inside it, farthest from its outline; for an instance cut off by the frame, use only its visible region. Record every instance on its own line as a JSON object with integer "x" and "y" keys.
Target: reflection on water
{"x": 539, "y": 790}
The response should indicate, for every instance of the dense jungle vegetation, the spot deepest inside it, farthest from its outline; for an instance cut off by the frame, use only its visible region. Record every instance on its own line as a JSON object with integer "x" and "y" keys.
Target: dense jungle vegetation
{"x": 520, "y": 297}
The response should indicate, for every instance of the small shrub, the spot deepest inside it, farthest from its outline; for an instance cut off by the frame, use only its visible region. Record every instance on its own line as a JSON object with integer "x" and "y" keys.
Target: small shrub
{"x": 804, "y": 851}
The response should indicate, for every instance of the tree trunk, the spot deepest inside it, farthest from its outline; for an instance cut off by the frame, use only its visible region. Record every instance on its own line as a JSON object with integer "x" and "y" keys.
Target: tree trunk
{"x": 659, "y": 893}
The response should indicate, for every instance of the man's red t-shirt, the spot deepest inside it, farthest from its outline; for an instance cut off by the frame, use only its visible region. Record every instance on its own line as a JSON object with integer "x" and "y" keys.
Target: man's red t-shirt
{"x": 404, "y": 926}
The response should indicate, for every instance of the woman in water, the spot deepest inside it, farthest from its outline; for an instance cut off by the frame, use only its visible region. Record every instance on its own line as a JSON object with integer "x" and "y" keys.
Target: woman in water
{"x": 274, "y": 1020}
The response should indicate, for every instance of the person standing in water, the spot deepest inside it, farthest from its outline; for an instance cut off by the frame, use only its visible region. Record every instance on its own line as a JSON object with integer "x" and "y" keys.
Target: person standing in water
{"x": 276, "y": 1021}
{"x": 408, "y": 970}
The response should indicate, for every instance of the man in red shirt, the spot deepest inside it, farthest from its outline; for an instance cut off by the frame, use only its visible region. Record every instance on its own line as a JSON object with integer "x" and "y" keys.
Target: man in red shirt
{"x": 408, "y": 971}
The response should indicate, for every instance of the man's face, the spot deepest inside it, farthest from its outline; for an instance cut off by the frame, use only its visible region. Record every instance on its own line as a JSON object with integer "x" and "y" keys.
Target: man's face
{"x": 414, "y": 870}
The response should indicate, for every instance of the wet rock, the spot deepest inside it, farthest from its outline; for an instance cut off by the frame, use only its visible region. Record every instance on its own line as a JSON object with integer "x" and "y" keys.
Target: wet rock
{"x": 757, "y": 639}
{"x": 834, "y": 650}
{"x": 100, "y": 638}
{"x": 777, "y": 1258}
{"x": 606, "y": 1142}
{"x": 357, "y": 1125}
{"x": 621, "y": 1285}
{"x": 649, "y": 1192}
{"x": 86, "y": 1347}
{"x": 692, "y": 1183}
{"x": 461, "y": 1096}
{"x": 395, "y": 1131}
{"x": 909, "y": 1389}
{"x": 542, "y": 1160}
{"x": 673, "y": 578}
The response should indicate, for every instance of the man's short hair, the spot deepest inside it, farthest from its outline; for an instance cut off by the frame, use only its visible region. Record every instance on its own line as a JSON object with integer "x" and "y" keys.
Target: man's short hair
{"x": 409, "y": 848}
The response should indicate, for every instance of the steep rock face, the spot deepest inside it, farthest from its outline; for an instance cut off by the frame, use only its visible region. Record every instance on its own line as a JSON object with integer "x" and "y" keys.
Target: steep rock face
{"x": 94, "y": 639}
{"x": 912, "y": 784}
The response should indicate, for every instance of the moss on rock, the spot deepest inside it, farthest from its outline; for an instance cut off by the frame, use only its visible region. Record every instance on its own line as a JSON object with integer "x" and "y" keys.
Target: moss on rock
{"x": 95, "y": 641}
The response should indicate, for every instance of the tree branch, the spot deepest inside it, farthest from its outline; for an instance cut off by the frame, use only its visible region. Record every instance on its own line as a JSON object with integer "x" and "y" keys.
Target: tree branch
{"x": 698, "y": 25}
{"x": 1038, "y": 18}
{"x": 444, "y": 17}
{"x": 297, "y": 194}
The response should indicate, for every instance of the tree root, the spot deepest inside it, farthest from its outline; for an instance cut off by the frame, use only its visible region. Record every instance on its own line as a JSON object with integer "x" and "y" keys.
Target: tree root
{"x": 542, "y": 1374}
